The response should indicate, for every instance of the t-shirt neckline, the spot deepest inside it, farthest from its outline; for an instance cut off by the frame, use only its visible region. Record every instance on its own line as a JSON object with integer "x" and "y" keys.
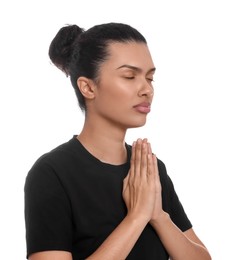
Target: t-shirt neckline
{"x": 95, "y": 159}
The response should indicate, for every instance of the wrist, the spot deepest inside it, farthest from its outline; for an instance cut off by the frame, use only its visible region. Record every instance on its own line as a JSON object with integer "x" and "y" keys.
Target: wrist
{"x": 137, "y": 218}
{"x": 160, "y": 220}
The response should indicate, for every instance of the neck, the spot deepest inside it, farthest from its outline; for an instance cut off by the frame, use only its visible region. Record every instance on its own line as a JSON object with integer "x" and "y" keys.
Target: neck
{"x": 105, "y": 143}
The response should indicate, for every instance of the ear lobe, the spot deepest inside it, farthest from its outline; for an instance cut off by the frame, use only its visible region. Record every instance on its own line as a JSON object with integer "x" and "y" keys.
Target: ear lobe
{"x": 86, "y": 87}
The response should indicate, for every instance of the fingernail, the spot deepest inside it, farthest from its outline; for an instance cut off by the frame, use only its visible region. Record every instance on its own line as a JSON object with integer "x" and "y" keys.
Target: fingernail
{"x": 139, "y": 140}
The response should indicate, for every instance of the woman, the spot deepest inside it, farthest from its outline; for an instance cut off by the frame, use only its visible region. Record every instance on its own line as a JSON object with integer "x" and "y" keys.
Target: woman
{"x": 96, "y": 197}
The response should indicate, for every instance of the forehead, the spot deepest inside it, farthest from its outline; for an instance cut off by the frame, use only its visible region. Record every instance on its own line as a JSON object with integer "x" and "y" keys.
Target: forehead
{"x": 133, "y": 53}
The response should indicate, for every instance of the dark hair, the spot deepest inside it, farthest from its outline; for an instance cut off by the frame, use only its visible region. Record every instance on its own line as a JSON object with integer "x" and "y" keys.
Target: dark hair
{"x": 80, "y": 53}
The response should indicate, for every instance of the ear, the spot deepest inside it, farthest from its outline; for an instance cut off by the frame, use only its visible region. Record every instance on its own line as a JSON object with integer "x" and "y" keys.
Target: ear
{"x": 87, "y": 87}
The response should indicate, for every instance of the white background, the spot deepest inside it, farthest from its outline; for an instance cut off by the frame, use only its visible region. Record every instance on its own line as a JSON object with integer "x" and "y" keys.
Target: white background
{"x": 187, "y": 126}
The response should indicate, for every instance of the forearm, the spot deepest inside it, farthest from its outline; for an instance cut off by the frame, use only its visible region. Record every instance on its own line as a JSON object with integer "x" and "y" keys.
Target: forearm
{"x": 179, "y": 246}
{"x": 121, "y": 241}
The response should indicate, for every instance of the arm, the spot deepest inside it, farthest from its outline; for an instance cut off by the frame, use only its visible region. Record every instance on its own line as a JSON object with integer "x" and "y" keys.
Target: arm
{"x": 180, "y": 245}
{"x": 117, "y": 246}
{"x": 50, "y": 255}
{"x": 120, "y": 242}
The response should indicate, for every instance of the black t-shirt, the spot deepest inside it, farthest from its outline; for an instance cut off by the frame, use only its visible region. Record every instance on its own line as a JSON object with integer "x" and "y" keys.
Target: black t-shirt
{"x": 73, "y": 201}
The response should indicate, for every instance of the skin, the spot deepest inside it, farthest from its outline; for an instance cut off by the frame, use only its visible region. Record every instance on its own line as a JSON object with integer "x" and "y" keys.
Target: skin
{"x": 126, "y": 81}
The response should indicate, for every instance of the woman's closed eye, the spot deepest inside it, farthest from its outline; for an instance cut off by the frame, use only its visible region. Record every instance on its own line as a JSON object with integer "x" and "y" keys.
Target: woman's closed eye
{"x": 150, "y": 79}
{"x": 129, "y": 77}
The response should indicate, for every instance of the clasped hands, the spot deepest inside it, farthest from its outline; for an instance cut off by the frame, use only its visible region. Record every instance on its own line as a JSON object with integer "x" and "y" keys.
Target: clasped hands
{"x": 142, "y": 187}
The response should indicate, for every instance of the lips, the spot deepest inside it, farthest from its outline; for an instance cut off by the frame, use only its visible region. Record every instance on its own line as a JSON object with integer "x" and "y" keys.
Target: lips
{"x": 143, "y": 107}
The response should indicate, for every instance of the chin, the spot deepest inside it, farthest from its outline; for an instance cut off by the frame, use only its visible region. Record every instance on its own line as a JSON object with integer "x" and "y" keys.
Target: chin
{"x": 137, "y": 124}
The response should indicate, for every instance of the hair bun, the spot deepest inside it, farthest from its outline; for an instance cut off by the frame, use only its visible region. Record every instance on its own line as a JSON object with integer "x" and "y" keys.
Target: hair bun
{"x": 61, "y": 47}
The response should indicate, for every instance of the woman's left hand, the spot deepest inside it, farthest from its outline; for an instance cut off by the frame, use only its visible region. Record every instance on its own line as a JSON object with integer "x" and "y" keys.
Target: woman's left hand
{"x": 158, "y": 211}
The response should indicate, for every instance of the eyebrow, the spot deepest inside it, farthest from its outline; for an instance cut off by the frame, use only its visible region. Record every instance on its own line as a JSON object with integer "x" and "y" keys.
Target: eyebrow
{"x": 136, "y": 68}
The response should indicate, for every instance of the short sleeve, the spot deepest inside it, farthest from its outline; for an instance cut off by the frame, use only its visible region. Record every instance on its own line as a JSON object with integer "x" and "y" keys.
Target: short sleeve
{"x": 47, "y": 210}
{"x": 171, "y": 202}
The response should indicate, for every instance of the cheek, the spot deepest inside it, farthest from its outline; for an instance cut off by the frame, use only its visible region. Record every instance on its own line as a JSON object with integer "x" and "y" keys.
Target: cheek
{"x": 116, "y": 91}
{"x": 113, "y": 101}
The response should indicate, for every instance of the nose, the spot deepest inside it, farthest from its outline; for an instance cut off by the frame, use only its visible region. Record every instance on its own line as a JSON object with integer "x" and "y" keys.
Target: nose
{"x": 146, "y": 89}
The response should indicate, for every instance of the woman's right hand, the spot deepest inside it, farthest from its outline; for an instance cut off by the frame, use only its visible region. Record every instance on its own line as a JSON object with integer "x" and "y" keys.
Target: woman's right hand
{"x": 141, "y": 187}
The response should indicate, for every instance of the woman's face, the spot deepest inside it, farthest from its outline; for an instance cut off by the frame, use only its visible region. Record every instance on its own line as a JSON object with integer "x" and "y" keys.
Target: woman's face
{"x": 125, "y": 91}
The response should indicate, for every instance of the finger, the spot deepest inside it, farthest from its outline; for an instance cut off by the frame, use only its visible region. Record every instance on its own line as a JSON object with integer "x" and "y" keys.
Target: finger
{"x": 150, "y": 160}
{"x": 149, "y": 148}
{"x": 150, "y": 166}
{"x": 144, "y": 153}
{"x": 138, "y": 155}
{"x": 133, "y": 152}
{"x": 145, "y": 140}
{"x": 151, "y": 163}
{"x": 155, "y": 164}
{"x": 132, "y": 162}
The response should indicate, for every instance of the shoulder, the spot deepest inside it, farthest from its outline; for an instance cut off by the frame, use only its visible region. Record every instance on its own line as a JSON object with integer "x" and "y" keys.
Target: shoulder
{"x": 58, "y": 154}
{"x": 48, "y": 164}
